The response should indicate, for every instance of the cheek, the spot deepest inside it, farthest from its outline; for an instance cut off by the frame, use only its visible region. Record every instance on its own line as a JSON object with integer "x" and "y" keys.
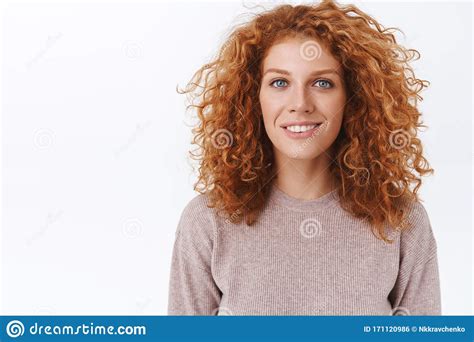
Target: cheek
{"x": 270, "y": 117}
{"x": 269, "y": 106}
{"x": 333, "y": 105}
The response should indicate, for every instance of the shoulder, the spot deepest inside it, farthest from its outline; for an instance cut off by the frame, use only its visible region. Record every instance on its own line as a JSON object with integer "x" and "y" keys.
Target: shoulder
{"x": 417, "y": 213}
{"x": 418, "y": 238}
{"x": 197, "y": 206}
{"x": 197, "y": 224}
{"x": 418, "y": 220}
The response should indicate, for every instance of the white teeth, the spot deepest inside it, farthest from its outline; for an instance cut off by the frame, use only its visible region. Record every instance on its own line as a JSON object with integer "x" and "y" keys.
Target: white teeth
{"x": 299, "y": 129}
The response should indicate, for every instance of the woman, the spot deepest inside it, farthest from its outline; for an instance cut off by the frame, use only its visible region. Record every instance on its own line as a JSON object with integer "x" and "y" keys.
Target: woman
{"x": 308, "y": 150}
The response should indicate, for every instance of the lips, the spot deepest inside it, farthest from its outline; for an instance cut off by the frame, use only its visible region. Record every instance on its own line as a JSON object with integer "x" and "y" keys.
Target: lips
{"x": 300, "y": 123}
{"x": 315, "y": 131}
{"x": 301, "y": 129}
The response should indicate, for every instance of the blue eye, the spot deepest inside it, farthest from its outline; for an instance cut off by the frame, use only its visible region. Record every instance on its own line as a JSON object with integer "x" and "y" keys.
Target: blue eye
{"x": 276, "y": 82}
{"x": 280, "y": 83}
{"x": 329, "y": 84}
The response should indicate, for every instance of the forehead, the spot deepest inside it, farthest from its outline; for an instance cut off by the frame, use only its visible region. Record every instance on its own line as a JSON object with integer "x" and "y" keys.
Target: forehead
{"x": 300, "y": 55}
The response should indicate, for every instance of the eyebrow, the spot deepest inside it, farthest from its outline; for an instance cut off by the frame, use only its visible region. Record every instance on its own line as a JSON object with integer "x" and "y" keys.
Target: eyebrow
{"x": 314, "y": 73}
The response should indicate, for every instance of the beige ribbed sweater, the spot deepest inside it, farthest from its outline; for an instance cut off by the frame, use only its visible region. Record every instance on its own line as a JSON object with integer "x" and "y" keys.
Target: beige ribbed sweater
{"x": 301, "y": 257}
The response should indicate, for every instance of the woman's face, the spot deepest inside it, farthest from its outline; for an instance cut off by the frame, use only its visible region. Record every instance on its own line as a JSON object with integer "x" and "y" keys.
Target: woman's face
{"x": 302, "y": 86}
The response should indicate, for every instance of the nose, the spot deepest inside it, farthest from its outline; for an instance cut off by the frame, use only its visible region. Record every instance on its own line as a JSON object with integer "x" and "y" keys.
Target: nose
{"x": 301, "y": 101}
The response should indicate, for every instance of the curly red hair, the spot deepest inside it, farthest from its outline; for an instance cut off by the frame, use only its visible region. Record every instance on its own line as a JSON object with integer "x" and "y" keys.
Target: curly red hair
{"x": 378, "y": 156}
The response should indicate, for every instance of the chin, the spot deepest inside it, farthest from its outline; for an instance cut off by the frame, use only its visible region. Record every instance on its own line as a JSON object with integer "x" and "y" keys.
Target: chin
{"x": 299, "y": 153}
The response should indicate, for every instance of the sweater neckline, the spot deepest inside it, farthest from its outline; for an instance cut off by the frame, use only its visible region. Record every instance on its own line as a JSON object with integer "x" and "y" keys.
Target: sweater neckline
{"x": 297, "y": 204}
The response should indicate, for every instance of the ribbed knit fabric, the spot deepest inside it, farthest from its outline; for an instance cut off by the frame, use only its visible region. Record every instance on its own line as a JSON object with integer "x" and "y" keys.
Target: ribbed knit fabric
{"x": 301, "y": 257}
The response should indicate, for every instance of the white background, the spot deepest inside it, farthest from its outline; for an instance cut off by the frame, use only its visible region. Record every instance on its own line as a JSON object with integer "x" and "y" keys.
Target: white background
{"x": 95, "y": 138}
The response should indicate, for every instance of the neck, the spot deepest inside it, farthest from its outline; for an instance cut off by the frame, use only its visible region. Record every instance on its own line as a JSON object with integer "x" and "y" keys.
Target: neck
{"x": 303, "y": 178}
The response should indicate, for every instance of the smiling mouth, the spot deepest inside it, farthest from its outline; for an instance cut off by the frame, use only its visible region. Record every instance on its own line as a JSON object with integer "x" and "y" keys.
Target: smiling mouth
{"x": 302, "y": 129}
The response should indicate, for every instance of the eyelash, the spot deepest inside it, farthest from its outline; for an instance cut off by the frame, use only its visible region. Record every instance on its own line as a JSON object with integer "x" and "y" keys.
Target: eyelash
{"x": 331, "y": 85}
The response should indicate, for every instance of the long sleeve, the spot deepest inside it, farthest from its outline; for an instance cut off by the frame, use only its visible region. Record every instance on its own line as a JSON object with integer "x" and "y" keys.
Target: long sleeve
{"x": 192, "y": 289}
{"x": 417, "y": 289}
